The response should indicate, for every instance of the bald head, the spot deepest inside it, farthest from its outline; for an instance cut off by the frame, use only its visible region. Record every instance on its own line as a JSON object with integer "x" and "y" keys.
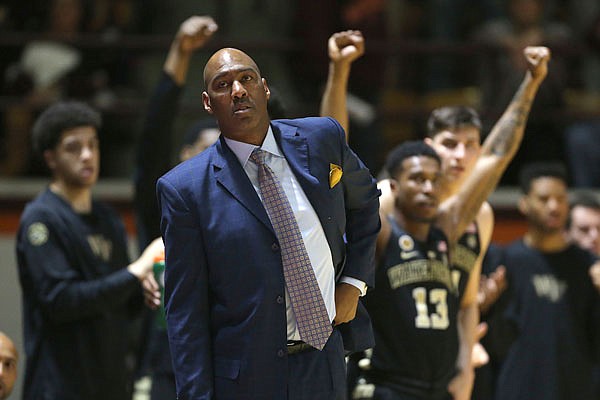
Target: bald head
{"x": 6, "y": 342}
{"x": 8, "y": 365}
{"x": 226, "y": 57}
{"x": 236, "y": 95}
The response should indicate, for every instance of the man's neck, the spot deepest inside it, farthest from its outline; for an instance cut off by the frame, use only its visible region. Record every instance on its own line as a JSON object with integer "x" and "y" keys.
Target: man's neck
{"x": 417, "y": 229}
{"x": 255, "y": 136}
{"x": 79, "y": 198}
{"x": 544, "y": 241}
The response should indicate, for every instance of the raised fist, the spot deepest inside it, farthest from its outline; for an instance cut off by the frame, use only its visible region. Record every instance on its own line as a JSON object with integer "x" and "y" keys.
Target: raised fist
{"x": 194, "y": 32}
{"x": 346, "y": 46}
{"x": 537, "y": 58}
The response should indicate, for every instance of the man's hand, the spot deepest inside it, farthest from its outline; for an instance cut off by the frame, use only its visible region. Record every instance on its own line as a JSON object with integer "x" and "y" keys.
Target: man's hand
{"x": 346, "y": 301}
{"x": 537, "y": 58}
{"x": 595, "y": 275}
{"x": 142, "y": 267}
{"x": 151, "y": 292}
{"x": 346, "y": 46}
{"x": 479, "y": 357}
{"x": 194, "y": 32}
{"x": 461, "y": 386}
{"x": 490, "y": 288}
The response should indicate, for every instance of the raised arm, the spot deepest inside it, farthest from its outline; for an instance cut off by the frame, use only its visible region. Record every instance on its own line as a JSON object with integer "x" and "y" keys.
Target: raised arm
{"x": 193, "y": 34}
{"x": 461, "y": 385}
{"x": 497, "y": 151}
{"x": 343, "y": 48}
{"x": 155, "y": 143}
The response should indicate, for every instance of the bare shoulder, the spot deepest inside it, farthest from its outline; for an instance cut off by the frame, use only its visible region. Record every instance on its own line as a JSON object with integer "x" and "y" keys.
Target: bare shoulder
{"x": 485, "y": 213}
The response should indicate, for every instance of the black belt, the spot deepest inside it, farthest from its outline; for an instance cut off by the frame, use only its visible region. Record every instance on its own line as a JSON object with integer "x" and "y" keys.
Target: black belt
{"x": 298, "y": 346}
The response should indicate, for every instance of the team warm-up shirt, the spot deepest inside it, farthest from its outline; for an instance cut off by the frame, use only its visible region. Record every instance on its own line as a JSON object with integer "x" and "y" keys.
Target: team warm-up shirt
{"x": 78, "y": 301}
{"x": 552, "y": 312}
{"x": 414, "y": 308}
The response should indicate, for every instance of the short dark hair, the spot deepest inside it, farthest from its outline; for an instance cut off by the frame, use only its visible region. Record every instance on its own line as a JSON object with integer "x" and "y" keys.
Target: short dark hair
{"x": 412, "y": 148}
{"x": 585, "y": 199}
{"x": 452, "y": 117}
{"x": 57, "y": 119}
{"x": 542, "y": 169}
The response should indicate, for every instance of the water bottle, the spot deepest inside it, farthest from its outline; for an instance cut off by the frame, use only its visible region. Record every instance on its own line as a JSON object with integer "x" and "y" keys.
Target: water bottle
{"x": 159, "y": 275}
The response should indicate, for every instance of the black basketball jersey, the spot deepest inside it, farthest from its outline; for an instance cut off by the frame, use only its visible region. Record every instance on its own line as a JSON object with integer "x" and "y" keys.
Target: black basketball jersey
{"x": 554, "y": 311}
{"x": 414, "y": 308}
{"x": 79, "y": 301}
{"x": 464, "y": 256}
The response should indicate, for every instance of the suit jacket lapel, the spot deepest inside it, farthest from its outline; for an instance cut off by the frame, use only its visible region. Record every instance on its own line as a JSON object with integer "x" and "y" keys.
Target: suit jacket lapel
{"x": 230, "y": 174}
{"x": 295, "y": 148}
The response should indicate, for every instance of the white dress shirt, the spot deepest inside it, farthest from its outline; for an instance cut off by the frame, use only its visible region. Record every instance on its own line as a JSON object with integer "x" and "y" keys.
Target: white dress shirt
{"x": 312, "y": 232}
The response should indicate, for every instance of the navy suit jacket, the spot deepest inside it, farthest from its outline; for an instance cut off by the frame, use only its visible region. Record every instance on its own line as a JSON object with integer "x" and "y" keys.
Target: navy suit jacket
{"x": 224, "y": 284}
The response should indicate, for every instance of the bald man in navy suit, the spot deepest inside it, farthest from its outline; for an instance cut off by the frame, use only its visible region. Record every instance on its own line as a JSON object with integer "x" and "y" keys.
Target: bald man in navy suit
{"x": 233, "y": 331}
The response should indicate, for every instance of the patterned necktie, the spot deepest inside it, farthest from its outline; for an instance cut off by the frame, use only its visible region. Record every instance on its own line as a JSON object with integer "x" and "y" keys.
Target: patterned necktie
{"x": 307, "y": 301}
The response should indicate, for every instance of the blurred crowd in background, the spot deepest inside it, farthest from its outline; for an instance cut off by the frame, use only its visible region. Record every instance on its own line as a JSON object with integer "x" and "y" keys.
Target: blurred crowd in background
{"x": 420, "y": 54}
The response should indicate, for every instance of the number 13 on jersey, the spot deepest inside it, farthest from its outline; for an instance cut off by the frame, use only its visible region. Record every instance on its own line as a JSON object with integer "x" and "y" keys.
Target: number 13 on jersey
{"x": 437, "y": 319}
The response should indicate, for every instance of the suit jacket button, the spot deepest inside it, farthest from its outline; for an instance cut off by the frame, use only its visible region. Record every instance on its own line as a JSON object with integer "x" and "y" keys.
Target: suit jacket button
{"x": 281, "y": 353}
{"x": 275, "y": 247}
{"x": 279, "y": 300}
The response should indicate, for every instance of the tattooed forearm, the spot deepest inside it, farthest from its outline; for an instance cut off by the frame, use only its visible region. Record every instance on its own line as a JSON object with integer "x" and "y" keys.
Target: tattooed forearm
{"x": 498, "y": 149}
{"x": 508, "y": 131}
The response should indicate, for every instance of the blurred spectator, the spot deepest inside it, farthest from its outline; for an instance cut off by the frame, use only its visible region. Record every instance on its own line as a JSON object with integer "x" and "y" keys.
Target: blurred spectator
{"x": 80, "y": 292}
{"x": 547, "y": 321}
{"x": 154, "y": 159}
{"x": 583, "y": 227}
{"x": 582, "y": 138}
{"x": 584, "y": 222}
{"x": 582, "y": 145}
{"x": 8, "y": 365}
{"x": 54, "y": 66}
{"x": 39, "y": 78}
{"x": 526, "y": 25}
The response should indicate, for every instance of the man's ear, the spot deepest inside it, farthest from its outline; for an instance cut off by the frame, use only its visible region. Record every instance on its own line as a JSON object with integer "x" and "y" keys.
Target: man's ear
{"x": 523, "y": 206}
{"x": 267, "y": 90}
{"x": 393, "y": 184}
{"x": 428, "y": 141}
{"x": 49, "y": 159}
{"x": 206, "y": 103}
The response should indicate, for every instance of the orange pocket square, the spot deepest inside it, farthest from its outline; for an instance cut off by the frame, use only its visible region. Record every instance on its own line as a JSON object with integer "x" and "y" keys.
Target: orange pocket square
{"x": 335, "y": 174}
